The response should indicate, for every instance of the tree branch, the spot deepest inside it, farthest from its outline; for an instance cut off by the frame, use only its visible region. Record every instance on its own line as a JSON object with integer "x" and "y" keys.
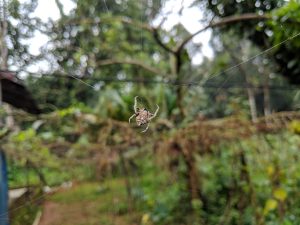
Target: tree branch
{"x": 127, "y": 21}
{"x": 128, "y": 61}
{"x": 155, "y": 30}
{"x": 60, "y": 8}
{"x": 159, "y": 41}
{"x": 122, "y": 19}
{"x": 224, "y": 21}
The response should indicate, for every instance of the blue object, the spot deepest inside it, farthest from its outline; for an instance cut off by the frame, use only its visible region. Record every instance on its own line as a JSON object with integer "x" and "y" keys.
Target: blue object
{"x": 3, "y": 190}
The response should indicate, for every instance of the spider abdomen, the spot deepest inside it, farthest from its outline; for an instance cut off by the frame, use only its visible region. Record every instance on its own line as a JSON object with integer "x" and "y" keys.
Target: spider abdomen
{"x": 142, "y": 117}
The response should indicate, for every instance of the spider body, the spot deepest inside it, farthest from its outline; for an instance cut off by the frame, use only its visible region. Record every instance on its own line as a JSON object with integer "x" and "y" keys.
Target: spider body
{"x": 142, "y": 116}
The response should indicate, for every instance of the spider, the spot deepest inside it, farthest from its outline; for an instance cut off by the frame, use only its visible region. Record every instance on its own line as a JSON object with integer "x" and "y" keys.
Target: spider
{"x": 143, "y": 116}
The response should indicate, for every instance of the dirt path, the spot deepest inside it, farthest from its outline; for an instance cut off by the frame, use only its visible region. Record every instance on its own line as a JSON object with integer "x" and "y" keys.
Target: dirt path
{"x": 50, "y": 215}
{"x": 65, "y": 214}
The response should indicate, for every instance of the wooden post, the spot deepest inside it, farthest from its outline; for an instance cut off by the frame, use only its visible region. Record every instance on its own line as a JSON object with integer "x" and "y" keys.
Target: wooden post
{"x": 3, "y": 181}
{"x": 3, "y": 190}
{"x": 4, "y": 66}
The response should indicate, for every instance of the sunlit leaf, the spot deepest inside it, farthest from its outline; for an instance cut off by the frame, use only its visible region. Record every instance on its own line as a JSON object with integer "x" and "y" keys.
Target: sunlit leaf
{"x": 280, "y": 194}
{"x": 146, "y": 218}
{"x": 271, "y": 204}
{"x": 270, "y": 170}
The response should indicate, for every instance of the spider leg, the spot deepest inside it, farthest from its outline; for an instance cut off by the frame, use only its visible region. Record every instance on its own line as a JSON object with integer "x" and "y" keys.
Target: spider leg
{"x": 146, "y": 128}
{"x": 131, "y": 117}
{"x": 154, "y": 115}
{"x": 135, "y": 104}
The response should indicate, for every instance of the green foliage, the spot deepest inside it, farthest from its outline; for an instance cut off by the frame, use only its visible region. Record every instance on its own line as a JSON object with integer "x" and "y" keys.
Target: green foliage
{"x": 282, "y": 26}
{"x": 65, "y": 92}
{"x": 157, "y": 196}
{"x": 22, "y": 26}
{"x": 111, "y": 104}
{"x": 93, "y": 58}
{"x": 285, "y": 26}
{"x": 25, "y": 145}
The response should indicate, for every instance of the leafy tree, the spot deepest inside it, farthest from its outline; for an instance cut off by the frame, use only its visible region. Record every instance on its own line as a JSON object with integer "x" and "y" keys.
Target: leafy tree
{"x": 18, "y": 26}
{"x": 94, "y": 43}
{"x": 280, "y": 23}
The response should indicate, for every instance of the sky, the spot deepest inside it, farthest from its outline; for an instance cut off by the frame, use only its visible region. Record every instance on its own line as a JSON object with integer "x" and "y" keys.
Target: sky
{"x": 190, "y": 18}
{"x": 45, "y": 10}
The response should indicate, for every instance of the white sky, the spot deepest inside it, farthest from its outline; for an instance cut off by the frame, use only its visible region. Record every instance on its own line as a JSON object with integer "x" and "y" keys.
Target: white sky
{"x": 45, "y": 10}
{"x": 190, "y": 18}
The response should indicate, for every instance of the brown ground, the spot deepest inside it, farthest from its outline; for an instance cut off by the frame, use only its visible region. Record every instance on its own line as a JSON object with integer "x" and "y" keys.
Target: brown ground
{"x": 57, "y": 213}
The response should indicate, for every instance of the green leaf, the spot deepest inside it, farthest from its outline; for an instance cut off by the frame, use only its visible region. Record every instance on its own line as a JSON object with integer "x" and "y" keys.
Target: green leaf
{"x": 280, "y": 194}
{"x": 271, "y": 204}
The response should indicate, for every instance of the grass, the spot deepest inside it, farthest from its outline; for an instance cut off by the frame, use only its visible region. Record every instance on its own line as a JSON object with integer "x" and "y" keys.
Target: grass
{"x": 89, "y": 204}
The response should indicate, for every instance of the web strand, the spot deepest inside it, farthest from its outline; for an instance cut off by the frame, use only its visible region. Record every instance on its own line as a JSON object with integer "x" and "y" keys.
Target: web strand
{"x": 255, "y": 56}
{"x": 248, "y": 60}
{"x": 82, "y": 81}
{"x": 107, "y": 10}
{"x": 214, "y": 75}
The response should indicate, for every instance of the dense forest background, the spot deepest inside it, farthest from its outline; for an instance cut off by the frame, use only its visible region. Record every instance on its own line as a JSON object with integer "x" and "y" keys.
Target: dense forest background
{"x": 224, "y": 146}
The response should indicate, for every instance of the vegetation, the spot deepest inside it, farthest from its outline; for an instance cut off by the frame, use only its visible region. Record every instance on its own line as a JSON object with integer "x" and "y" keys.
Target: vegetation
{"x": 224, "y": 147}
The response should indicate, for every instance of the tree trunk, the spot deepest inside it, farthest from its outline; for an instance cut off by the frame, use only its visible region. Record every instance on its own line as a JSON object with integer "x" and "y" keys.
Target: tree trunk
{"x": 249, "y": 196}
{"x": 250, "y": 89}
{"x": 267, "y": 96}
{"x": 250, "y": 92}
{"x": 179, "y": 98}
{"x": 179, "y": 87}
{"x": 9, "y": 121}
{"x": 127, "y": 179}
{"x": 3, "y": 34}
{"x": 196, "y": 200}
{"x": 251, "y": 99}
{"x": 192, "y": 175}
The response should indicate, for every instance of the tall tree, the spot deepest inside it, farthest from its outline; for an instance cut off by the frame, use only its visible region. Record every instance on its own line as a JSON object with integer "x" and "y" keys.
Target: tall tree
{"x": 103, "y": 40}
